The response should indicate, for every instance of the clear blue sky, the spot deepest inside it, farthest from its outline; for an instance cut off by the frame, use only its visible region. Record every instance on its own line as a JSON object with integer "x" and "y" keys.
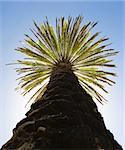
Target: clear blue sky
{"x": 17, "y": 17}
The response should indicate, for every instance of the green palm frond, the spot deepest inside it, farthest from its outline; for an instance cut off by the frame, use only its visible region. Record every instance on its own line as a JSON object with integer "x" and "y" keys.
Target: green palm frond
{"x": 71, "y": 44}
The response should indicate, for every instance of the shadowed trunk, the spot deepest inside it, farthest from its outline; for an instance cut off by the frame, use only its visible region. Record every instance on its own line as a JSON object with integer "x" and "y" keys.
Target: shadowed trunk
{"x": 66, "y": 117}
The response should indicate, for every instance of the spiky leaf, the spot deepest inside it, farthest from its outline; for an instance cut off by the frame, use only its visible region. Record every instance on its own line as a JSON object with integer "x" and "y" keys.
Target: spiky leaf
{"x": 71, "y": 44}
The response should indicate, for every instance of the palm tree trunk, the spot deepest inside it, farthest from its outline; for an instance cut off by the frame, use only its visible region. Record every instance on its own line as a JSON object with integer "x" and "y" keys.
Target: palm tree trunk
{"x": 66, "y": 117}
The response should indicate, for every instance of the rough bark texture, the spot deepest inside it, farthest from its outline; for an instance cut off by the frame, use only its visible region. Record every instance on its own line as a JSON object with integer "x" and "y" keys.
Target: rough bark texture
{"x": 66, "y": 117}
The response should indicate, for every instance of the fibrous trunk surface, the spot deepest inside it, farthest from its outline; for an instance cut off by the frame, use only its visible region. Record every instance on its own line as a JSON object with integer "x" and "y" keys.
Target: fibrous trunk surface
{"x": 65, "y": 118}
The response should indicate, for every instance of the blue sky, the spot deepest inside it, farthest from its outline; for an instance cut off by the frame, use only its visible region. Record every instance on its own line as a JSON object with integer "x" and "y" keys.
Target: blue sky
{"x": 17, "y": 17}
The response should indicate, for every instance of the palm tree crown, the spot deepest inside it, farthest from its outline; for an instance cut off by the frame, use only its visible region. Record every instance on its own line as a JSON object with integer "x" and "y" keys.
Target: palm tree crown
{"x": 71, "y": 45}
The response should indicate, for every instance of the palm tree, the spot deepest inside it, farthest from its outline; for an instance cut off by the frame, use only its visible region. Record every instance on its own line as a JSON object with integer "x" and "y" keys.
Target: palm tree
{"x": 66, "y": 68}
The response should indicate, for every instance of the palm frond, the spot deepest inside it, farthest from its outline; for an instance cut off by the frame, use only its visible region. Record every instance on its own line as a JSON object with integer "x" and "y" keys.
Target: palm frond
{"x": 71, "y": 44}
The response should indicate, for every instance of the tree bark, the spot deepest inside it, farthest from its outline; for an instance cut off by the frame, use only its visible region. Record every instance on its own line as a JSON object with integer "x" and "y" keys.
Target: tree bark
{"x": 66, "y": 117}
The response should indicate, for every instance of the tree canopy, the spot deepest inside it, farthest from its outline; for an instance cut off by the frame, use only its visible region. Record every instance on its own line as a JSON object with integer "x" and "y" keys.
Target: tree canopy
{"x": 72, "y": 44}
